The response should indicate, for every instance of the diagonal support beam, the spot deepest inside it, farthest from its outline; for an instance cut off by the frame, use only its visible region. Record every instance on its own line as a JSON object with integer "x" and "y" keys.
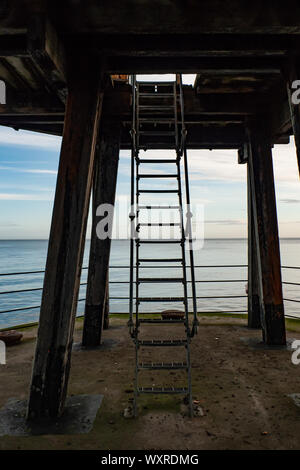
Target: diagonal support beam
{"x": 66, "y": 244}
{"x": 105, "y": 180}
{"x": 254, "y": 307}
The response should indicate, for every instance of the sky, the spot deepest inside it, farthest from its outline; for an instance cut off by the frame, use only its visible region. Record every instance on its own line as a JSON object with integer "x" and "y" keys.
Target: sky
{"x": 28, "y": 171}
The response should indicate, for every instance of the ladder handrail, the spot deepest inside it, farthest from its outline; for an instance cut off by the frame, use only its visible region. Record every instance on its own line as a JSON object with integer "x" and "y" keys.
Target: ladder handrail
{"x": 188, "y": 202}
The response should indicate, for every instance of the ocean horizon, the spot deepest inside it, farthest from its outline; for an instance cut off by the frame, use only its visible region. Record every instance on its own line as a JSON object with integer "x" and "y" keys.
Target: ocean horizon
{"x": 226, "y": 256}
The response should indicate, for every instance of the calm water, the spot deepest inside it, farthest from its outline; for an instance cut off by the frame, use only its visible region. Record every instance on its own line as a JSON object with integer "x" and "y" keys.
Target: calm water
{"x": 30, "y": 255}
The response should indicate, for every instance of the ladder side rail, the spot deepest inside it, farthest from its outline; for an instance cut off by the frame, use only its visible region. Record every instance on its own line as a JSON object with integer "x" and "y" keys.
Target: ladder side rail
{"x": 132, "y": 214}
{"x": 189, "y": 214}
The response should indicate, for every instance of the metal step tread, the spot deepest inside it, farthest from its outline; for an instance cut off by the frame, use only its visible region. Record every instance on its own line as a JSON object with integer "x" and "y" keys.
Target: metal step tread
{"x": 158, "y": 191}
{"x": 156, "y": 94}
{"x": 160, "y": 321}
{"x": 158, "y": 132}
{"x": 161, "y": 299}
{"x": 166, "y": 390}
{"x": 160, "y": 224}
{"x": 156, "y": 175}
{"x": 157, "y": 107}
{"x": 150, "y": 83}
{"x": 161, "y": 279}
{"x": 150, "y": 160}
{"x": 158, "y": 241}
{"x": 161, "y": 260}
{"x": 158, "y": 207}
{"x": 162, "y": 365}
{"x": 162, "y": 342}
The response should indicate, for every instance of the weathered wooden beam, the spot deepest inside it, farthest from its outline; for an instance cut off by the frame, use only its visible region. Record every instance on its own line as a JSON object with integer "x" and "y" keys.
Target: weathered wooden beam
{"x": 292, "y": 73}
{"x": 187, "y": 64}
{"x": 66, "y": 243}
{"x": 187, "y": 45}
{"x": 266, "y": 233}
{"x": 177, "y": 17}
{"x": 105, "y": 180}
{"x": 254, "y": 308}
{"x": 48, "y": 54}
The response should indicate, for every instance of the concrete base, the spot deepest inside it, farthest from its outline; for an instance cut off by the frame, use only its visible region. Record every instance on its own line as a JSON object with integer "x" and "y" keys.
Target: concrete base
{"x": 257, "y": 343}
{"x": 78, "y": 417}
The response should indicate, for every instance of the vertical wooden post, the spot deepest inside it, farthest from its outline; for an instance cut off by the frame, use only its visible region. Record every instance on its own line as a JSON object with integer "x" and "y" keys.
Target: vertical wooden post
{"x": 66, "y": 244}
{"x": 254, "y": 309}
{"x": 105, "y": 180}
{"x": 266, "y": 234}
{"x": 292, "y": 73}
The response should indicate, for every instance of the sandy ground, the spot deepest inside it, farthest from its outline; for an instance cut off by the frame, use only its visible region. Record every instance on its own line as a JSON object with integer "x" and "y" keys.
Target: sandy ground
{"x": 243, "y": 392}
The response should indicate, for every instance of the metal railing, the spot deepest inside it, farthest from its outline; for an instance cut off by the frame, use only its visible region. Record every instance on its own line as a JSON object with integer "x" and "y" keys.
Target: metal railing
{"x": 126, "y": 298}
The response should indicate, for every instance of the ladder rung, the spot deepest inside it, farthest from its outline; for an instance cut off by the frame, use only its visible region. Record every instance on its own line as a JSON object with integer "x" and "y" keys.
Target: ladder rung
{"x": 158, "y": 224}
{"x": 162, "y": 365}
{"x": 158, "y": 107}
{"x": 158, "y": 207}
{"x": 155, "y": 175}
{"x": 149, "y": 83}
{"x": 161, "y": 299}
{"x": 156, "y": 161}
{"x": 161, "y": 279}
{"x": 158, "y": 191}
{"x": 160, "y": 260}
{"x": 162, "y": 342}
{"x": 160, "y": 321}
{"x": 164, "y": 390}
{"x": 151, "y": 133}
{"x": 148, "y": 94}
{"x": 158, "y": 120}
{"x": 159, "y": 241}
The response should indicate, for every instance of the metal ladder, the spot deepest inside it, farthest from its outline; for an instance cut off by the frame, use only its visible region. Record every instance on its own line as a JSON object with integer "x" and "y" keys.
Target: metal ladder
{"x": 158, "y": 111}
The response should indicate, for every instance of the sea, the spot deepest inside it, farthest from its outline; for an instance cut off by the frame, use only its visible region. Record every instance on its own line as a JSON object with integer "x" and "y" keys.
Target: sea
{"x": 220, "y": 270}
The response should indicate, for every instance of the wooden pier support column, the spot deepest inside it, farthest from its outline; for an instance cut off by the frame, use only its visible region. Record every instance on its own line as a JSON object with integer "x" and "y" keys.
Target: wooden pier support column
{"x": 292, "y": 73}
{"x": 266, "y": 234}
{"x": 254, "y": 308}
{"x": 66, "y": 243}
{"x": 105, "y": 181}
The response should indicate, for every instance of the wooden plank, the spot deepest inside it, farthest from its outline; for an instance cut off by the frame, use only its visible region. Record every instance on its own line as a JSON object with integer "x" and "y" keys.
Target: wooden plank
{"x": 266, "y": 234}
{"x": 48, "y": 54}
{"x": 66, "y": 244}
{"x": 105, "y": 180}
{"x": 254, "y": 309}
{"x": 292, "y": 74}
{"x": 177, "y": 17}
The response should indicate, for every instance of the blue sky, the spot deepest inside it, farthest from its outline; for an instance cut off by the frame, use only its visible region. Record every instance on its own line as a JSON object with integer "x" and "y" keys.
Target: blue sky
{"x": 28, "y": 169}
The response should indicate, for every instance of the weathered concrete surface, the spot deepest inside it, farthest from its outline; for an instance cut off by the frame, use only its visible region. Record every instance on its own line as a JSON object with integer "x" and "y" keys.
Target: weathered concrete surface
{"x": 78, "y": 417}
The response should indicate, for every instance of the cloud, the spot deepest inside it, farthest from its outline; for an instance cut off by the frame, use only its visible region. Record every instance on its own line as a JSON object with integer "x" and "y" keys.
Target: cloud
{"x": 9, "y": 136}
{"x": 25, "y": 170}
{"x": 290, "y": 201}
{"x": 225, "y": 222}
{"x": 24, "y": 197}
